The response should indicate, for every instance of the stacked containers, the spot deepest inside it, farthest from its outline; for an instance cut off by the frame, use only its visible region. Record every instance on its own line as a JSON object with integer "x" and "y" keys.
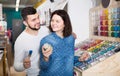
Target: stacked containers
{"x": 106, "y": 22}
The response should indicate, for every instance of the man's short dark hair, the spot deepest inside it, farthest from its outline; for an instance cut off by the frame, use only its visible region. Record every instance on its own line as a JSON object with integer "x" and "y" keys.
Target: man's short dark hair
{"x": 27, "y": 11}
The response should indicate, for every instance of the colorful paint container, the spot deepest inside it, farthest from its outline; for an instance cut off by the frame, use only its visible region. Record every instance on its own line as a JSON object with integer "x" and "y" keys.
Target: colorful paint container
{"x": 115, "y": 28}
{"x": 104, "y": 28}
{"x": 109, "y": 33}
{"x": 109, "y": 16}
{"x": 109, "y": 22}
{"x": 104, "y": 33}
{"x": 115, "y": 34}
{"x": 112, "y": 28}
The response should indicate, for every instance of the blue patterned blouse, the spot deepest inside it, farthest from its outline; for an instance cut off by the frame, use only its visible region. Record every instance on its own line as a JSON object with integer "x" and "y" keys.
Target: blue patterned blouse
{"x": 62, "y": 59}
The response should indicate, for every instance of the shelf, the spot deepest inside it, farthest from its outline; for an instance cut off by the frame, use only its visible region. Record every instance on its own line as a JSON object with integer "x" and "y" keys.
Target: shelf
{"x": 107, "y": 67}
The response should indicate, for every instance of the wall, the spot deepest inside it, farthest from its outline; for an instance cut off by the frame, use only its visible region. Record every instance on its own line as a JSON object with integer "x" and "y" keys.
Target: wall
{"x": 79, "y": 14}
{"x": 14, "y": 22}
{"x": 10, "y": 15}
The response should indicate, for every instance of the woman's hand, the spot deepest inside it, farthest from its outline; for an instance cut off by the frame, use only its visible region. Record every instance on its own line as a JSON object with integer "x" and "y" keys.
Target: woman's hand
{"x": 47, "y": 51}
{"x": 84, "y": 56}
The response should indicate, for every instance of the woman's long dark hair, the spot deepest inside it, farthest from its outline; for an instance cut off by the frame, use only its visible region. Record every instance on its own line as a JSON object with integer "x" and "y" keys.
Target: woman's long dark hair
{"x": 65, "y": 17}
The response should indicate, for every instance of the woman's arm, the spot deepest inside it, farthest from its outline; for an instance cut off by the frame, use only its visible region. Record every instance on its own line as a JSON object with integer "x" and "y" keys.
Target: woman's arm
{"x": 45, "y": 55}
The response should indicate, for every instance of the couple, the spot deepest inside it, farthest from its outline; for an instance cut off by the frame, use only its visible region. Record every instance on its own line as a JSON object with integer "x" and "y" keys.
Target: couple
{"x": 52, "y": 50}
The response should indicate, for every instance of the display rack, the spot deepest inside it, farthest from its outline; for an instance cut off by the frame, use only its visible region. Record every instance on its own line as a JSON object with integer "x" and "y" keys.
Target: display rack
{"x": 4, "y": 50}
{"x": 105, "y": 22}
{"x": 104, "y": 42}
{"x": 3, "y": 43}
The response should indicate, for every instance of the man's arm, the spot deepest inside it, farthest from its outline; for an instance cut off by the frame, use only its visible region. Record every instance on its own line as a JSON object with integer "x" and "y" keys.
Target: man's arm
{"x": 18, "y": 58}
{"x": 74, "y": 34}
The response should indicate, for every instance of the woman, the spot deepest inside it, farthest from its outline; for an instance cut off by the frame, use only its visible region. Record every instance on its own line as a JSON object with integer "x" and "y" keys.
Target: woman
{"x": 58, "y": 60}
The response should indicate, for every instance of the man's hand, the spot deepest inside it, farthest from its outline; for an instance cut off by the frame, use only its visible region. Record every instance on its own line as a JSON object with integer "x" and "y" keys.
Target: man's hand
{"x": 27, "y": 62}
{"x": 74, "y": 34}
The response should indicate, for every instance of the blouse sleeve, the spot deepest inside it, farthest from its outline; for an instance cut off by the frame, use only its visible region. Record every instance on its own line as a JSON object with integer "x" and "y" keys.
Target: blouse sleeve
{"x": 43, "y": 64}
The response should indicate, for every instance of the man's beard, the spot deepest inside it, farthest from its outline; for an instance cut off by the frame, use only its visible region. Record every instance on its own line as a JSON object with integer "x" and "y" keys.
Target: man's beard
{"x": 35, "y": 29}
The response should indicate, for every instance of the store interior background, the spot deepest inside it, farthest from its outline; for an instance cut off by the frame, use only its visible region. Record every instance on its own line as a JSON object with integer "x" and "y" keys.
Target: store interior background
{"x": 79, "y": 18}
{"x": 78, "y": 11}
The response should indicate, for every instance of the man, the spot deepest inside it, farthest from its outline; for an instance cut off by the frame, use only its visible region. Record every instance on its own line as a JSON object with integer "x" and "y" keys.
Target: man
{"x": 29, "y": 39}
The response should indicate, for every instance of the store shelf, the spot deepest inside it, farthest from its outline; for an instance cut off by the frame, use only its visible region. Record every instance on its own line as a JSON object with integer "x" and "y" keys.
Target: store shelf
{"x": 107, "y": 67}
{"x": 105, "y": 26}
